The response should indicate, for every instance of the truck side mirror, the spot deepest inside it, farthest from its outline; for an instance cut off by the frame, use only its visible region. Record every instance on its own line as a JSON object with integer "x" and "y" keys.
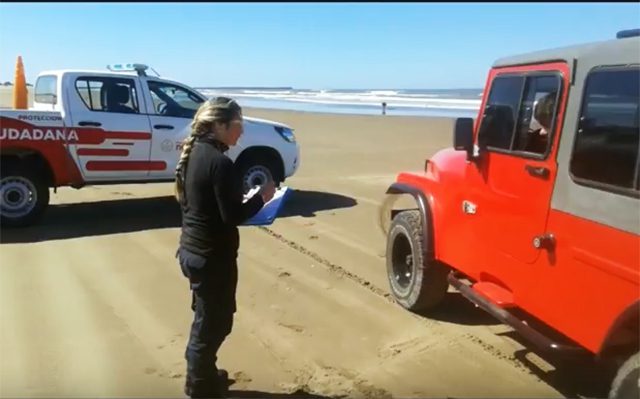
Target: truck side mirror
{"x": 463, "y": 136}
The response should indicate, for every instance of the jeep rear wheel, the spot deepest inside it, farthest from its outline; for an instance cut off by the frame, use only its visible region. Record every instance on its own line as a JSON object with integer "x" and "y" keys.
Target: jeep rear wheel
{"x": 416, "y": 283}
{"x": 627, "y": 381}
{"x": 24, "y": 195}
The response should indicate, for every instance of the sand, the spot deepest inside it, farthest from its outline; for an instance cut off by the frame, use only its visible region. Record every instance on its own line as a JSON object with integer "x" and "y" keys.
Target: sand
{"x": 93, "y": 304}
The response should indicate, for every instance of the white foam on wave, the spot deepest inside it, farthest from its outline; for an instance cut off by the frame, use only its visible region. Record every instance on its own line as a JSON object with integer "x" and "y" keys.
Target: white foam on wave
{"x": 373, "y": 98}
{"x": 266, "y": 92}
{"x": 383, "y": 92}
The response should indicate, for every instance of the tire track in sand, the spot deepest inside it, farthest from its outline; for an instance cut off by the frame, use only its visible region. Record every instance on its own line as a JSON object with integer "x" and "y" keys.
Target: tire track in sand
{"x": 342, "y": 272}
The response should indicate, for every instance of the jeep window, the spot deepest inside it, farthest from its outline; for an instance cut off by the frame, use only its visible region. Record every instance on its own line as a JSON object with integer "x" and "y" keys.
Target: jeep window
{"x": 46, "y": 89}
{"x": 537, "y": 114}
{"x": 172, "y": 100}
{"x": 108, "y": 94}
{"x": 520, "y": 113}
{"x": 605, "y": 153}
{"x": 500, "y": 112}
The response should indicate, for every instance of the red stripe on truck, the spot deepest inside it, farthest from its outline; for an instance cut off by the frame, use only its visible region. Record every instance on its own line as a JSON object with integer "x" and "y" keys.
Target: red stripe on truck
{"x": 103, "y": 152}
{"x": 15, "y": 130}
{"x": 99, "y": 136}
{"x": 126, "y": 165}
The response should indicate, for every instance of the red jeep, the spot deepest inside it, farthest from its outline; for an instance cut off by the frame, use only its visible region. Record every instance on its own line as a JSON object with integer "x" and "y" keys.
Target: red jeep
{"x": 534, "y": 214}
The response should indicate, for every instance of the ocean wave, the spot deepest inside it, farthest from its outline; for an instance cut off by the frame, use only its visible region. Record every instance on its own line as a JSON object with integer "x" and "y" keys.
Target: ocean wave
{"x": 266, "y": 92}
{"x": 370, "y": 98}
{"x": 383, "y": 92}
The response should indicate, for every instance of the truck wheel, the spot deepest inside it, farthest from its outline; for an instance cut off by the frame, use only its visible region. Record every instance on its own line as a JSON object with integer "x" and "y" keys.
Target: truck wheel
{"x": 24, "y": 195}
{"x": 256, "y": 172}
{"x": 416, "y": 283}
{"x": 627, "y": 381}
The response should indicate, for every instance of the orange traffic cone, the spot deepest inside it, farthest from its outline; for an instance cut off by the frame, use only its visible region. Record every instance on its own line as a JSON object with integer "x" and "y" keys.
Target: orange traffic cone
{"x": 20, "y": 87}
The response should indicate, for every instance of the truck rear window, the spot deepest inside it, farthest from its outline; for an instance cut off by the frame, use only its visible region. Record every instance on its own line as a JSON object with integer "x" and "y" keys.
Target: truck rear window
{"x": 606, "y": 146}
{"x": 46, "y": 89}
{"x": 108, "y": 94}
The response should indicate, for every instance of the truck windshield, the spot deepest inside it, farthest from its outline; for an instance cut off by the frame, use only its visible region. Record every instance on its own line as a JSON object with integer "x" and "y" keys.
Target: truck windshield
{"x": 172, "y": 100}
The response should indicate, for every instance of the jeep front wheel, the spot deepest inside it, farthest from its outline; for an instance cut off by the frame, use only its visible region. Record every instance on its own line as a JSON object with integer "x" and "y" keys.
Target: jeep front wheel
{"x": 416, "y": 283}
{"x": 627, "y": 381}
{"x": 24, "y": 195}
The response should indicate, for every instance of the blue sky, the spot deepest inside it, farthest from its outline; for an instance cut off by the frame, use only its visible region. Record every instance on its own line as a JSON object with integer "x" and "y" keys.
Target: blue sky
{"x": 304, "y": 45}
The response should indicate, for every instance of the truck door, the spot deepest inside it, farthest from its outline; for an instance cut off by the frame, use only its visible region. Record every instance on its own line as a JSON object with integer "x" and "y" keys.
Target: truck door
{"x": 516, "y": 133}
{"x": 114, "y": 131}
{"x": 171, "y": 109}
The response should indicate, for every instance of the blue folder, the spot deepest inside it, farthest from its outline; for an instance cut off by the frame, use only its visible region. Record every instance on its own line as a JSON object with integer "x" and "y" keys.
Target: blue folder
{"x": 270, "y": 210}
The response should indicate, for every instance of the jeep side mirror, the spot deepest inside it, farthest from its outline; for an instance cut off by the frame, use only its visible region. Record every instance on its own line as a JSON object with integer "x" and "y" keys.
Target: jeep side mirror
{"x": 463, "y": 136}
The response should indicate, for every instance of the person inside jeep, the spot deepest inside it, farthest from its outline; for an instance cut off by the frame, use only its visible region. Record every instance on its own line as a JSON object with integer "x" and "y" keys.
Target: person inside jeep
{"x": 542, "y": 114}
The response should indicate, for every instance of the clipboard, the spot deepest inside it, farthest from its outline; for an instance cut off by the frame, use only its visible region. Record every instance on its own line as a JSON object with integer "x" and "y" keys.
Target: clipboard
{"x": 269, "y": 212}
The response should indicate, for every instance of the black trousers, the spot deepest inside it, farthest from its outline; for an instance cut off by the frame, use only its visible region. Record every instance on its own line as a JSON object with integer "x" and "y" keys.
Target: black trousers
{"x": 213, "y": 283}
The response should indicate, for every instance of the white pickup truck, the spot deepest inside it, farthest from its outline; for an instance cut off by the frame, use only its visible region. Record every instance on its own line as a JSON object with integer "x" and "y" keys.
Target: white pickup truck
{"x": 112, "y": 127}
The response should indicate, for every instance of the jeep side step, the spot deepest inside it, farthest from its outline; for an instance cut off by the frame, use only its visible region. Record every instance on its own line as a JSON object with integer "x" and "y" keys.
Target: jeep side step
{"x": 506, "y": 317}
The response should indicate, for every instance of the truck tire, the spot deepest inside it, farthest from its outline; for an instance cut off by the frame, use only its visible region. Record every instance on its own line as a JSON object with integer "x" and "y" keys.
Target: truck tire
{"x": 24, "y": 195}
{"x": 255, "y": 171}
{"x": 626, "y": 384}
{"x": 417, "y": 284}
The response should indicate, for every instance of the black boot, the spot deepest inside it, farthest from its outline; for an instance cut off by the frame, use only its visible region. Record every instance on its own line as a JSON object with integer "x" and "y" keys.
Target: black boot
{"x": 209, "y": 389}
{"x": 223, "y": 382}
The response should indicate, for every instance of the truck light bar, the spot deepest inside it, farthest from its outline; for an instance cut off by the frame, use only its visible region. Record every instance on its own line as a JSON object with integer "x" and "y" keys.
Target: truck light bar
{"x": 628, "y": 33}
{"x": 139, "y": 68}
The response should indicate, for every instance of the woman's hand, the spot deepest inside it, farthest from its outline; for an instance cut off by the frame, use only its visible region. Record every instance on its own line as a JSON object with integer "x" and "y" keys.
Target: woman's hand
{"x": 267, "y": 191}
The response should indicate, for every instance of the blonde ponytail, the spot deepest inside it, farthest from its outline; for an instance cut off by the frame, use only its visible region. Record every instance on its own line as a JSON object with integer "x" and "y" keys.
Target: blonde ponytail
{"x": 187, "y": 145}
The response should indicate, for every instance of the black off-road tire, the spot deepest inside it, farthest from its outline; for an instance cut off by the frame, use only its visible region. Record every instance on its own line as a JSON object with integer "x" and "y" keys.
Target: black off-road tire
{"x": 24, "y": 195}
{"x": 626, "y": 384}
{"x": 417, "y": 284}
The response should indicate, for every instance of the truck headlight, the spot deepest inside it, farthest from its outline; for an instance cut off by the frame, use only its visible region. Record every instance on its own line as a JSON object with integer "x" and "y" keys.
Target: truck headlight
{"x": 286, "y": 133}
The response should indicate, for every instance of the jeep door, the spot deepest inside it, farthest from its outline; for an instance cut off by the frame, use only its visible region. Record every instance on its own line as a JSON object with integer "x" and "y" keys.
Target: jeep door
{"x": 517, "y": 166}
{"x": 171, "y": 109}
{"x": 593, "y": 272}
{"x": 114, "y": 131}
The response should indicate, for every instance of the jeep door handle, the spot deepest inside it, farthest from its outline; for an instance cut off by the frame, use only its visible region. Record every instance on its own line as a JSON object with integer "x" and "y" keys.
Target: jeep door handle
{"x": 544, "y": 241}
{"x": 163, "y": 127}
{"x": 89, "y": 123}
{"x": 537, "y": 171}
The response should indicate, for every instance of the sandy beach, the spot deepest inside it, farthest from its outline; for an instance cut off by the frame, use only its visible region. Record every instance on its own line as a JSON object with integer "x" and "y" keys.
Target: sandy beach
{"x": 93, "y": 303}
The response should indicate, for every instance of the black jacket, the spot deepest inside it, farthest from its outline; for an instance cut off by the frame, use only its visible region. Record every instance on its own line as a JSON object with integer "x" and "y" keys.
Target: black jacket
{"x": 213, "y": 207}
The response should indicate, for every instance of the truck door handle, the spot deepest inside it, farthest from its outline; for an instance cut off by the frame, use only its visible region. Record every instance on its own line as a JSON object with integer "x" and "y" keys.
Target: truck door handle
{"x": 89, "y": 123}
{"x": 537, "y": 171}
{"x": 163, "y": 127}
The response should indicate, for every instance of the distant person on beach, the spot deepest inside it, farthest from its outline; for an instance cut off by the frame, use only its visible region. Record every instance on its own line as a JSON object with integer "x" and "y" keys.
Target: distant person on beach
{"x": 537, "y": 139}
{"x": 209, "y": 191}
{"x": 384, "y": 108}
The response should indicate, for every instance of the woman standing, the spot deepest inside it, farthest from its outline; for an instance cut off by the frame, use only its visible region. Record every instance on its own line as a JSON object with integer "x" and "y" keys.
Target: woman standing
{"x": 209, "y": 191}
